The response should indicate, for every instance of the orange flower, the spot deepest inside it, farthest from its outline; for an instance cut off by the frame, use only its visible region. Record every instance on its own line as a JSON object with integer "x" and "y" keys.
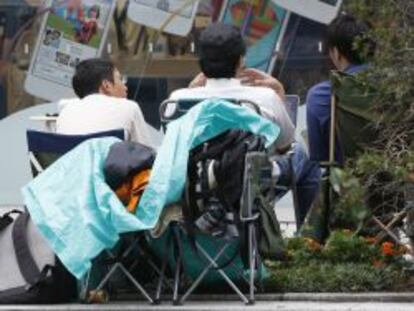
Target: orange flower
{"x": 387, "y": 248}
{"x": 377, "y": 263}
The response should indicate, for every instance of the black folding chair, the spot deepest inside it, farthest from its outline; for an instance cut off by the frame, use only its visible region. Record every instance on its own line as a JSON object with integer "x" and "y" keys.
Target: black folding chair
{"x": 45, "y": 148}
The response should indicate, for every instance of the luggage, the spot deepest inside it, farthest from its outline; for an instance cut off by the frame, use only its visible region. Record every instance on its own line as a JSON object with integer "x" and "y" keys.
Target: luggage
{"x": 29, "y": 270}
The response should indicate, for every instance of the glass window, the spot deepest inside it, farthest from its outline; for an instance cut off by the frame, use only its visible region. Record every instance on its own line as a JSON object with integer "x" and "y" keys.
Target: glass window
{"x": 155, "y": 64}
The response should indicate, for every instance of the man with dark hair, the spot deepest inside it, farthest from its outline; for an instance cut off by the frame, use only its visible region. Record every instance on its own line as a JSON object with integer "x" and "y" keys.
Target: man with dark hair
{"x": 221, "y": 51}
{"x": 341, "y": 42}
{"x": 341, "y": 39}
{"x": 102, "y": 104}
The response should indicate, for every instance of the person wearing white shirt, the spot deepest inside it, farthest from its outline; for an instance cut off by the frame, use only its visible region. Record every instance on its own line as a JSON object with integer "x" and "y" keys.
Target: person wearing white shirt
{"x": 102, "y": 104}
{"x": 221, "y": 50}
{"x": 270, "y": 104}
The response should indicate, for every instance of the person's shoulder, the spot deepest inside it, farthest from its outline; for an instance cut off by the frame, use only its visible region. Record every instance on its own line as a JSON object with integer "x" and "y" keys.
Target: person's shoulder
{"x": 263, "y": 93}
{"x": 125, "y": 102}
{"x": 182, "y": 93}
{"x": 318, "y": 96}
{"x": 321, "y": 88}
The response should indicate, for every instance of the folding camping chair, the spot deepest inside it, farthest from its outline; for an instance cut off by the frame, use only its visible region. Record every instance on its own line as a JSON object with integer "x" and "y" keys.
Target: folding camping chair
{"x": 257, "y": 172}
{"x": 45, "y": 148}
{"x": 352, "y": 119}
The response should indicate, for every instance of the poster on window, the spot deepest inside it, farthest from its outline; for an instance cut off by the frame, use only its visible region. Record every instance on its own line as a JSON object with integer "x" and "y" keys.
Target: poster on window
{"x": 71, "y": 31}
{"x": 262, "y": 24}
{"x": 323, "y": 11}
{"x": 171, "y": 16}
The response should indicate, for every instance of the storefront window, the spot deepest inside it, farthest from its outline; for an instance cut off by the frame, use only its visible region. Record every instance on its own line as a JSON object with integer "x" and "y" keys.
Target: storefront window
{"x": 155, "y": 64}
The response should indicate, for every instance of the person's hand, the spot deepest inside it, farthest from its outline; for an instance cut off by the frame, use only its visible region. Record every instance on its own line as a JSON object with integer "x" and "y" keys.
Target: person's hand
{"x": 199, "y": 80}
{"x": 254, "y": 77}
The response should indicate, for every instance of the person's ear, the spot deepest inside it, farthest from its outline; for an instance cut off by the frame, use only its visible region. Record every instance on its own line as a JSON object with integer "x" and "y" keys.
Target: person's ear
{"x": 334, "y": 55}
{"x": 241, "y": 65}
{"x": 105, "y": 87}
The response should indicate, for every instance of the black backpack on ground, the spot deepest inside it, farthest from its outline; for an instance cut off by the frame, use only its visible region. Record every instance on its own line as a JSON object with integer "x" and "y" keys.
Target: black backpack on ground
{"x": 29, "y": 270}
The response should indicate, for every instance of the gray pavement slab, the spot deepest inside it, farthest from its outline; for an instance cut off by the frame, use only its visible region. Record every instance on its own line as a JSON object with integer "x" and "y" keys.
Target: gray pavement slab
{"x": 229, "y": 306}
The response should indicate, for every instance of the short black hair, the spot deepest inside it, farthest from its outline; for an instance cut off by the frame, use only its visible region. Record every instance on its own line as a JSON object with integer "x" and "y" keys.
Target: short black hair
{"x": 96, "y": 9}
{"x": 220, "y": 48}
{"x": 89, "y": 75}
{"x": 342, "y": 34}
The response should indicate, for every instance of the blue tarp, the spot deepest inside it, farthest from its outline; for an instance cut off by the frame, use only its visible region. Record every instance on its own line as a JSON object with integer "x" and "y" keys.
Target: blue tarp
{"x": 79, "y": 214}
{"x": 201, "y": 123}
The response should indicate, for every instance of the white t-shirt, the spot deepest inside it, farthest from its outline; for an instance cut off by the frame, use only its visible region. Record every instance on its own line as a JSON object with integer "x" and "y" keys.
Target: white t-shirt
{"x": 270, "y": 104}
{"x": 98, "y": 113}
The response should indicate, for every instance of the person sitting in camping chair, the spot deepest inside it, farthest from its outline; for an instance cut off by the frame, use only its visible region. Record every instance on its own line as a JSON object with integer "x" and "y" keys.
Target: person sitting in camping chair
{"x": 221, "y": 52}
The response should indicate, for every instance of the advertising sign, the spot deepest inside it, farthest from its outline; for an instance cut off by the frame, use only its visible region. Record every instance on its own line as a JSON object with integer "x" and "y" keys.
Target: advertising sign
{"x": 71, "y": 31}
{"x": 263, "y": 24}
{"x": 174, "y": 16}
{"x": 323, "y": 11}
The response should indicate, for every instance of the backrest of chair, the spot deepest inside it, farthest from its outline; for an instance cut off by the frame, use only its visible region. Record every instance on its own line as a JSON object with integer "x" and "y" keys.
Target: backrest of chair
{"x": 172, "y": 109}
{"x": 292, "y": 104}
{"x": 46, "y": 147}
{"x": 354, "y": 114}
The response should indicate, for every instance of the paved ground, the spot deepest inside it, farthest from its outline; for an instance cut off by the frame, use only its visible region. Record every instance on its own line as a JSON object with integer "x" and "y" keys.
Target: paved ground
{"x": 230, "y": 306}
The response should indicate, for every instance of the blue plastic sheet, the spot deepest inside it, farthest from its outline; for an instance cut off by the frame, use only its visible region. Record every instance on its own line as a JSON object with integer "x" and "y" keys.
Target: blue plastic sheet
{"x": 201, "y": 123}
{"x": 80, "y": 215}
{"x": 75, "y": 209}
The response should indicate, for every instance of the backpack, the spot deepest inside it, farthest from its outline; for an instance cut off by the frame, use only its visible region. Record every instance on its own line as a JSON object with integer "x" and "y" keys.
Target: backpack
{"x": 29, "y": 270}
{"x": 217, "y": 211}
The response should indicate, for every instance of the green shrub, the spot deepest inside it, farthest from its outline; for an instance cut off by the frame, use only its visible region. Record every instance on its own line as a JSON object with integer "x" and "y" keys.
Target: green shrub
{"x": 327, "y": 277}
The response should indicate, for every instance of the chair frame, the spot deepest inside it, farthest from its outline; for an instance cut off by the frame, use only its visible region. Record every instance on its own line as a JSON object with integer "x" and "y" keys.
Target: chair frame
{"x": 386, "y": 228}
{"x": 116, "y": 261}
{"x": 250, "y": 218}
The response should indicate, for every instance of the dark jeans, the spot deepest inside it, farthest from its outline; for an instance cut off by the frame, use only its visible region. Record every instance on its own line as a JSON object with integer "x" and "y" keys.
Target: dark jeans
{"x": 307, "y": 176}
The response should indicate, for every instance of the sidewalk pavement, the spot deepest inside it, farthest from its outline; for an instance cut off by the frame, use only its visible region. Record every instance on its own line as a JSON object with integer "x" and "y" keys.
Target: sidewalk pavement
{"x": 265, "y": 302}
{"x": 228, "y": 306}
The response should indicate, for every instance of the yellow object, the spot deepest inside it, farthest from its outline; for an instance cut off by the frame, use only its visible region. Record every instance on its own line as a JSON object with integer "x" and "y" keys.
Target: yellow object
{"x": 131, "y": 190}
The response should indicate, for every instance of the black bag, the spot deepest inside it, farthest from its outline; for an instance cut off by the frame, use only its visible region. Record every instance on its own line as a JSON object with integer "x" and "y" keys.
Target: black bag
{"x": 29, "y": 270}
{"x": 217, "y": 210}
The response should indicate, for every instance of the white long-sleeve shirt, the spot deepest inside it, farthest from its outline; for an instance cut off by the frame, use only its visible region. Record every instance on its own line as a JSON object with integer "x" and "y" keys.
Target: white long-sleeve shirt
{"x": 99, "y": 112}
{"x": 270, "y": 104}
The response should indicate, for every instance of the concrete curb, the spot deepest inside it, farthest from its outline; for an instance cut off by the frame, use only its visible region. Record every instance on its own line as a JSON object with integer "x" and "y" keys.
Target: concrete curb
{"x": 317, "y": 297}
{"x": 377, "y": 297}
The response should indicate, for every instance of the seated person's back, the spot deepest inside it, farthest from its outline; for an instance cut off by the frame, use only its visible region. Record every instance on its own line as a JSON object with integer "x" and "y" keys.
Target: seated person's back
{"x": 221, "y": 55}
{"x": 102, "y": 104}
{"x": 269, "y": 103}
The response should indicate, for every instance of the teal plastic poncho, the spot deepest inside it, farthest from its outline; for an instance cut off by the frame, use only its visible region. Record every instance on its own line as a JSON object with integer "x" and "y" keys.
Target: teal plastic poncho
{"x": 80, "y": 215}
{"x": 201, "y": 123}
{"x": 75, "y": 209}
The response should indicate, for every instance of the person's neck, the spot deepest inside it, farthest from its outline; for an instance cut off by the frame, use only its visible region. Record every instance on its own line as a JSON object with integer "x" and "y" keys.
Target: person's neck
{"x": 343, "y": 65}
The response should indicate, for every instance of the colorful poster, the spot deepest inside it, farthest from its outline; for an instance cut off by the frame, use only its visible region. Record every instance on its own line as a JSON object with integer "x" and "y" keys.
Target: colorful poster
{"x": 171, "y": 16}
{"x": 323, "y": 11}
{"x": 263, "y": 24}
{"x": 73, "y": 31}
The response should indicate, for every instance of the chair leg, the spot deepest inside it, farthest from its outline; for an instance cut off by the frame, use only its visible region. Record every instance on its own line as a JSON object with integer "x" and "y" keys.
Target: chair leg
{"x": 107, "y": 276}
{"x": 83, "y": 295}
{"x": 157, "y": 299}
{"x": 136, "y": 283}
{"x": 294, "y": 194}
{"x": 252, "y": 261}
{"x": 177, "y": 280}
{"x": 212, "y": 263}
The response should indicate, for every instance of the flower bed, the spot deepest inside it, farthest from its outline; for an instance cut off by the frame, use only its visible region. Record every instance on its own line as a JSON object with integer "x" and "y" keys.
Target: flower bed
{"x": 346, "y": 263}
